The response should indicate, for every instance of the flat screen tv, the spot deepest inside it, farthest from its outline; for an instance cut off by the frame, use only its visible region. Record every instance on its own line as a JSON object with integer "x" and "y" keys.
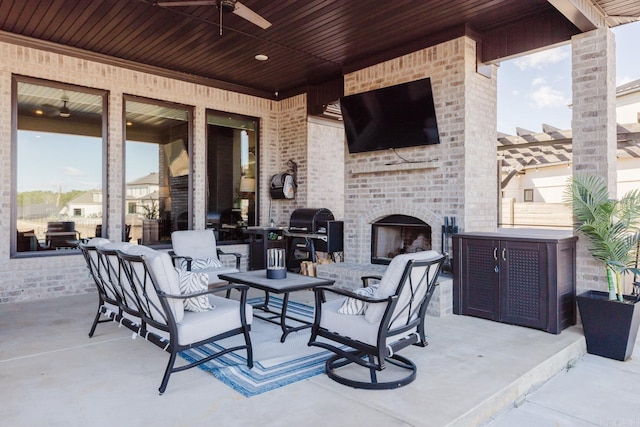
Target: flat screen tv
{"x": 392, "y": 117}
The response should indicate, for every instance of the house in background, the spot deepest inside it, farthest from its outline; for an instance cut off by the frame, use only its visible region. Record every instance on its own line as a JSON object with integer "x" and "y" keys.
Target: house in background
{"x": 142, "y": 192}
{"x": 142, "y": 198}
{"x": 536, "y": 166}
{"x": 88, "y": 205}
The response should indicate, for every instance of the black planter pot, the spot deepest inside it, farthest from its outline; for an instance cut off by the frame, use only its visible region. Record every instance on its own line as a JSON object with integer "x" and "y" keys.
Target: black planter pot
{"x": 610, "y": 327}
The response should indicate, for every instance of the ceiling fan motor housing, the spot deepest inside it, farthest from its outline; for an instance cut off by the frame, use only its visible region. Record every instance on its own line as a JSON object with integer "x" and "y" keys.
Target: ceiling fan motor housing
{"x": 227, "y": 6}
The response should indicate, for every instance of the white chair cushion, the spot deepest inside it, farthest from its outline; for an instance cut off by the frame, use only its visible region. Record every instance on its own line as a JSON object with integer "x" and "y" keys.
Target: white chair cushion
{"x": 125, "y": 290}
{"x": 98, "y": 241}
{"x": 354, "y": 327}
{"x": 391, "y": 279}
{"x": 354, "y": 306}
{"x": 165, "y": 275}
{"x": 115, "y": 246}
{"x": 191, "y": 282}
{"x": 197, "y": 244}
{"x": 196, "y": 327}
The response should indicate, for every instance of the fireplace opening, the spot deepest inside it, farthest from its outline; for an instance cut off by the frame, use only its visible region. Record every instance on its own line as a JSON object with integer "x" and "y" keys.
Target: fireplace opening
{"x": 398, "y": 234}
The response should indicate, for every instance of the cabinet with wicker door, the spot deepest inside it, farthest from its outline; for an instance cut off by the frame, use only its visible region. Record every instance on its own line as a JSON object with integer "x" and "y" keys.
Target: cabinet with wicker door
{"x": 521, "y": 277}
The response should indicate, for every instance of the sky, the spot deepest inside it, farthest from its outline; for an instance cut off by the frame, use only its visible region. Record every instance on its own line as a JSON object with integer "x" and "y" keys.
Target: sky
{"x": 536, "y": 88}
{"x": 73, "y": 162}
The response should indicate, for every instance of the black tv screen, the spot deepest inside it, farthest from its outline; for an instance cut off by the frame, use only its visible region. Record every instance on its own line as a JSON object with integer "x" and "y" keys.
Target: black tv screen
{"x": 391, "y": 117}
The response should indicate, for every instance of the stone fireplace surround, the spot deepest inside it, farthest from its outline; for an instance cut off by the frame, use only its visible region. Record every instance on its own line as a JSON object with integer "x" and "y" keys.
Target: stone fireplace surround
{"x": 453, "y": 178}
{"x": 361, "y": 233}
{"x": 348, "y": 274}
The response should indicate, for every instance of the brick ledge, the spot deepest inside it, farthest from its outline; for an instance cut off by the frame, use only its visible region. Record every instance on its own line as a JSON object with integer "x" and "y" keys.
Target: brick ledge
{"x": 367, "y": 168}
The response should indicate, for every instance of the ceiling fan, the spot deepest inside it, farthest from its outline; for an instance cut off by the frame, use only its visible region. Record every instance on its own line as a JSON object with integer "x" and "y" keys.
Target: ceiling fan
{"x": 53, "y": 111}
{"x": 224, "y": 6}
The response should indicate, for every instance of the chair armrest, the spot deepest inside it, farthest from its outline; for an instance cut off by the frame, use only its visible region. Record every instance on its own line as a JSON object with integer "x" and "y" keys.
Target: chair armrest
{"x": 365, "y": 280}
{"x": 349, "y": 293}
{"x": 237, "y": 255}
{"x": 175, "y": 257}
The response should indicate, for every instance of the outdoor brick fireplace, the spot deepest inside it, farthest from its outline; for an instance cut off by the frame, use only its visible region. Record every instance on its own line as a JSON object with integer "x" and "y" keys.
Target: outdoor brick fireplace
{"x": 398, "y": 234}
{"x": 456, "y": 178}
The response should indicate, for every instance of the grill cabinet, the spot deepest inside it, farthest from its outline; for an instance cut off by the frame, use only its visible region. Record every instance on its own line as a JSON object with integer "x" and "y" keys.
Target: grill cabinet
{"x": 312, "y": 230}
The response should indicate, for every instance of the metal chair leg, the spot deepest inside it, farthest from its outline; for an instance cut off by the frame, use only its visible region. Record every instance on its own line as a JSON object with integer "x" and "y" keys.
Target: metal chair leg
{"x": 167, "y": 372}
{"x": 95, "y": 323}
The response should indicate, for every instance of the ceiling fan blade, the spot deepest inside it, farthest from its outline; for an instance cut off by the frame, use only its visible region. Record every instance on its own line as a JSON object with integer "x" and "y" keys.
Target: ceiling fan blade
{"x": 248, "y": 14}
{"x": 186, "y": 3}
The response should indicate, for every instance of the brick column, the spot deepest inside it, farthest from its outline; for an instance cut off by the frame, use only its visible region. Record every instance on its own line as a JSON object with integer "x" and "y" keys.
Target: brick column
{"x": 594, "y": 128}
{"x": 480, "y": 135}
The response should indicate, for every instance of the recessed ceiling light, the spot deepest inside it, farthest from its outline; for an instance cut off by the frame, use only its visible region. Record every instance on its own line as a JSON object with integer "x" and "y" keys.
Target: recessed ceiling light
{"x": 261, "y": 57}
{"x": 129, "y": 124}
{"x": 39, "y": 112}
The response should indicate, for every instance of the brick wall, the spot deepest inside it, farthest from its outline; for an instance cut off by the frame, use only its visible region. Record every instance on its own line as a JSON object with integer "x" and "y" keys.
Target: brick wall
{"x": 291, "y": 145}
{"x": 325, "y": 174}
{"x": 458, "y": 176}
{"x": 46, "y": 277}
{"x": 465, "y": 105}
{"x": 317, "y": 146}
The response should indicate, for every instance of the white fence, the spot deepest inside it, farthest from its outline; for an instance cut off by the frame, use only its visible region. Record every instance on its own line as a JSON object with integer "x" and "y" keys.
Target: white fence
{"x": 535, "y": 215}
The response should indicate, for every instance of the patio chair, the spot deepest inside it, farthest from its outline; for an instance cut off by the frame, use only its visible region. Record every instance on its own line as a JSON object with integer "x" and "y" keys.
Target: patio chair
{"x": 111, "y": 274}
{"x": 153, "y": 278}
{"x": 27, "y": 241}
{"x": 61, "y": 234}
{"x": 108, "y": 297}
{"x": 196, "y": 251}
{"x": 383, "y": 320}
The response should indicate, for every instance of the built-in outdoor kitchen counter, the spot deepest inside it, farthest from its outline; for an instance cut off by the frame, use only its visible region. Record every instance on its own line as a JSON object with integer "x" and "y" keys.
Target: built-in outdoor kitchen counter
{"x": 523, "y": 277}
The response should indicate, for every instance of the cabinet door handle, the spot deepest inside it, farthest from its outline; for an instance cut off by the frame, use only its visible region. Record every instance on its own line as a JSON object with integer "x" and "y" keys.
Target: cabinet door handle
{"x": 495, "y": 254}
{"x": 504, "y": 254}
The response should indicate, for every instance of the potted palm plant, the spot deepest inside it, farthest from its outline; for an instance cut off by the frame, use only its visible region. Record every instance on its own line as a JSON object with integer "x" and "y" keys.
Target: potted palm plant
{"x": 612, "y": 228}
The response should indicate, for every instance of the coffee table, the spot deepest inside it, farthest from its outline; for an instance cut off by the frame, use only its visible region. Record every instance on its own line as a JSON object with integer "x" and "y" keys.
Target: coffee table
{"x": 293, "y": 282}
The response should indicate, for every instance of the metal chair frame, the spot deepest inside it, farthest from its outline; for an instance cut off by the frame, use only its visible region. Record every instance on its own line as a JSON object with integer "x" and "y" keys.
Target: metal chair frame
{"x": 219, "y": 251}
{"x": 112, "y": 275}
{"x": 375, "y": 357}
{"x": 162, "y": 319}
{"x": 109, "y": 290}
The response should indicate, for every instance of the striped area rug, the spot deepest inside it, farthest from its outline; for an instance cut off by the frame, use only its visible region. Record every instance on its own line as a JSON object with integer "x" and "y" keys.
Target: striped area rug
{"x": 275, "y": 365}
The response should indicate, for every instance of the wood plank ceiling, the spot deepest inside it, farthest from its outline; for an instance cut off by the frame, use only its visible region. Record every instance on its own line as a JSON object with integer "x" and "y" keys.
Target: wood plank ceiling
{"x": 309, "y": 43}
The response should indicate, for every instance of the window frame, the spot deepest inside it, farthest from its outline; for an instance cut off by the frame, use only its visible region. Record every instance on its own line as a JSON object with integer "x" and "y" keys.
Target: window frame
{"x": 191, "y": 113}
{"x": 528, "y": 195}
{"x": 104, "y": 94}
{"x": 240, "y": 117}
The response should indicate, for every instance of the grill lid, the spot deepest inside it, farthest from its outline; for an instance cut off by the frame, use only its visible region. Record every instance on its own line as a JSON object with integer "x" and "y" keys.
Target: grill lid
{"x": 310, "y": 220}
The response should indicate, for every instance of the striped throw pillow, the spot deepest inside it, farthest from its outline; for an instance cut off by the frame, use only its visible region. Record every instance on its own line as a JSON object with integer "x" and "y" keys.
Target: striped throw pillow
{"x": 202, "y": 263}
{"x": 191, "y": 282}
{"x": 354, "y": 306}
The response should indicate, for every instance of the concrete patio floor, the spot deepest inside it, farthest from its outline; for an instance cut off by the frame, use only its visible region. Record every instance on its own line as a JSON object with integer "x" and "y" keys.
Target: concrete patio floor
{"x": 473, "y": 371}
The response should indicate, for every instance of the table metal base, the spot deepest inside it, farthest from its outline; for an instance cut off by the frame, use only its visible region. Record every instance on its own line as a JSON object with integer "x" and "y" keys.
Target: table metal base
{"x": 281, "y": 316}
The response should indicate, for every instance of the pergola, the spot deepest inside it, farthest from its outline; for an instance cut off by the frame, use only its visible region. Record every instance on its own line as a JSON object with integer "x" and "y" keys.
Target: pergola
{"x": 553, "y": 146}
